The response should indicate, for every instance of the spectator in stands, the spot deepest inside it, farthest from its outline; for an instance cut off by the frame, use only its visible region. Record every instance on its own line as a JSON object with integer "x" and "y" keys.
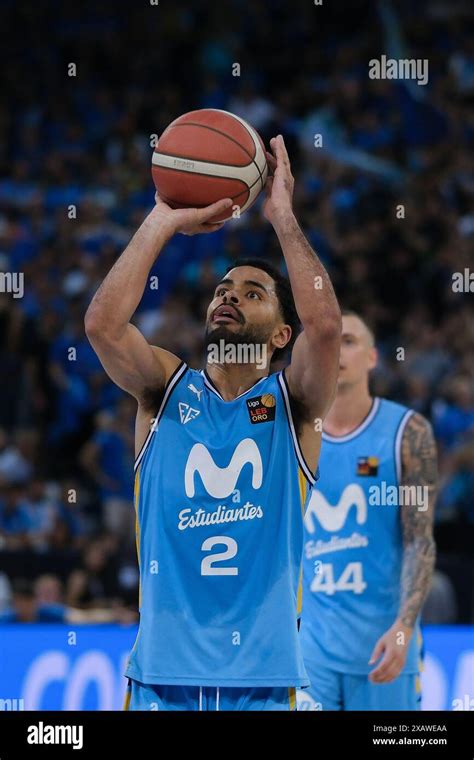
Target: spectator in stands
{"x": 26, "y": 608}
{"x": 15, "y": 519}
{"x": 361, "y": 150}
{"x": 108, "y": 457}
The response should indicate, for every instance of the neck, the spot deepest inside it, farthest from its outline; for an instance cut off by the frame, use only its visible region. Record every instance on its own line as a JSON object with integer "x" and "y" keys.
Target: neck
{"x": 350, "y": 407}
{"x": 233, "y": 379}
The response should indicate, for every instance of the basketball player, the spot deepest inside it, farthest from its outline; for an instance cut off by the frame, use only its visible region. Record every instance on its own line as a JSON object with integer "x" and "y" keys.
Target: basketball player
{"x": 222, "y": 474}
{"x": 369, "y": 551}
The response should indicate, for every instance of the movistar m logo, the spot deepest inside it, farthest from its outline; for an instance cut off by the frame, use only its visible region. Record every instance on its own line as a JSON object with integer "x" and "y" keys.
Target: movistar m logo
{"x": 220, "y": 482}
{"x": 332, "y": 518}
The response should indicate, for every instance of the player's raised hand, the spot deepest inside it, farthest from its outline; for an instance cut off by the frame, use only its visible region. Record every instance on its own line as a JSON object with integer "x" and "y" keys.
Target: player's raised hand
{"x": 279, "y": 187}
{"x": 190, "y": 221}
{"x": 392, "y": 647}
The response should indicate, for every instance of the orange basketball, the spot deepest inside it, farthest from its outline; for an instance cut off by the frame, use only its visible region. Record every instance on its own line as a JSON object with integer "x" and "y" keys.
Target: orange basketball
{"x": 268, "y": 400}
{"x": 204, "y": 156}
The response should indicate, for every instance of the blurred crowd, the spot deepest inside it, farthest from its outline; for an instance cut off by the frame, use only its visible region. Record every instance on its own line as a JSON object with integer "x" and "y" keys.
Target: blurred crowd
{"x": 384, "y": 190}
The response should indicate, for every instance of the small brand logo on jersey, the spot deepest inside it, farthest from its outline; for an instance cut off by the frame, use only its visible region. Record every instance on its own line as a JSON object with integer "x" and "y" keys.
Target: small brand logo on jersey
{"x": 187, "y": 413}
{"x": 195, "y": 390}
{"x": 262, "y": 408}
{"x": 367, "y": 465}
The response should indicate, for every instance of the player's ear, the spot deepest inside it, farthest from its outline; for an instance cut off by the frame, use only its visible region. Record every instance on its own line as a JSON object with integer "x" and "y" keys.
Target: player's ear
{"x": 282, "y": 336}
{"x": 373, "y": 357}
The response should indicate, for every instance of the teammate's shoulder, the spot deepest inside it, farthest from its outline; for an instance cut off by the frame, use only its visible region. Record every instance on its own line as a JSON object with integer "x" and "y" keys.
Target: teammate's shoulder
{"x": 394, "y": 406}
{"x": 408, "y": 417}
{"x": 418, "y": 423}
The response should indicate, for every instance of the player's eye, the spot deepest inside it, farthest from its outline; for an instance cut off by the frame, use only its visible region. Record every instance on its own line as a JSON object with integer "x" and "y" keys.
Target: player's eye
{"x": 253, "y": 293}
{"x": 221, "y": 291}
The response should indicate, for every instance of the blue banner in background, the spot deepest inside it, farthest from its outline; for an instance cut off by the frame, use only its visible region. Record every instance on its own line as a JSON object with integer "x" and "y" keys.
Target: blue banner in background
{"x": 448, "y": 675}
{"x": 52, "y": 667}
{"x": 57, "y": 667}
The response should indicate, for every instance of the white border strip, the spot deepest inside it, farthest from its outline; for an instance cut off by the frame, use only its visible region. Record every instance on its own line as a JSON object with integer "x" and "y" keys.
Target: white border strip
{"x": 364, "y": 424}
{"x": 309, "y": 475}
{"x": 171, "y": 385}
{"x": 398, "y": 443}
{"x": 210, "y": 386}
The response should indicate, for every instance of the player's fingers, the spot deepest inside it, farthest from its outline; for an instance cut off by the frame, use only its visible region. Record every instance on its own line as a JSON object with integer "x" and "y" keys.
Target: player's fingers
{"x": 269, "y": 185}
{"x": 276, "y": 148}
{"x": 377, "y": 651}
{"x": 271, "y": 160}
{"x": 379, "y": 673}
{"x": 282, "y": 153}
{"x": 378, "y": 679}
{"x": 381, "y": 648}
{"x": 376, "y": 676}
{"x": 393, "y": 672}
{"x": 389, "y": 674}
{"x": 211, "y": 227}
{"x": 214, "y": 209}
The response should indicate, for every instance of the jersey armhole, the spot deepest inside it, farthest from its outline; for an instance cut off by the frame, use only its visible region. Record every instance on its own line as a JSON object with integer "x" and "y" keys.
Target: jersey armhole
{"x": 285, "y": 392}
{"x": 168, "y": 389}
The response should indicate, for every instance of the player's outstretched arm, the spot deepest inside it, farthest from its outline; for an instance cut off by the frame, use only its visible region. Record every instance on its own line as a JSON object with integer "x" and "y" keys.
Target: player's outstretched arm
{"x": 314, "y": 366}
{"x": 129, "y": 360}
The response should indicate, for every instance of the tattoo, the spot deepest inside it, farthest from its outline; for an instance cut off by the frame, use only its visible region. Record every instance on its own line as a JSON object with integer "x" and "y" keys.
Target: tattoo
{"x": 419, "y": 469}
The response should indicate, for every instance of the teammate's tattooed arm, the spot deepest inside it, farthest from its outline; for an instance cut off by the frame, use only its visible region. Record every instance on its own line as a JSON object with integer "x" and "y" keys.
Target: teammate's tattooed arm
{"x": 419, "y": 470}
{"x": 419, "y": 479}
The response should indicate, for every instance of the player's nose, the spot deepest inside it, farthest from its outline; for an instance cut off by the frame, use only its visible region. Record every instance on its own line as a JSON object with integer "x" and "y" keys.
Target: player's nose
{"x": 230, "y": 297}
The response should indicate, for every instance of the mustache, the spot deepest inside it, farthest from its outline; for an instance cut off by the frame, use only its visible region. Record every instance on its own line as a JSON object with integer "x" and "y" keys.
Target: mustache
{"x": 239, "y": 313}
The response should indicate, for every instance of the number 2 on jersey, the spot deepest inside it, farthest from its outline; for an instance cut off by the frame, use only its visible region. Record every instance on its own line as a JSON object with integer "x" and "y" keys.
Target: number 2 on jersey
{"x": 207, "y": 565}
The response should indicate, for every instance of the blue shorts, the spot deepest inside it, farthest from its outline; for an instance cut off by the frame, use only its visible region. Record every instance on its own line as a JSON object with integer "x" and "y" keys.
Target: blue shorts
{"x": 331, "y": 690}
{"x": 142, "y": 696}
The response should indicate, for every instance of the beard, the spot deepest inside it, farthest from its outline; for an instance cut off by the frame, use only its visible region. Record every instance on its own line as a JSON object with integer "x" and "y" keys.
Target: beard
{"x": 254, "y": 336}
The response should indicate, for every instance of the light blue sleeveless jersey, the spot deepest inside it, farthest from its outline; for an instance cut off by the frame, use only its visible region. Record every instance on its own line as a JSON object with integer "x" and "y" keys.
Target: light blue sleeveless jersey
{"x": 220, "y": 488}
{"x": 353, "y": 545}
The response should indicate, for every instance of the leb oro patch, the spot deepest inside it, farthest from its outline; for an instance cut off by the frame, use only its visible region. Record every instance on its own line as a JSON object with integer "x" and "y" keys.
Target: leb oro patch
{"x": 262, "y": 408}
